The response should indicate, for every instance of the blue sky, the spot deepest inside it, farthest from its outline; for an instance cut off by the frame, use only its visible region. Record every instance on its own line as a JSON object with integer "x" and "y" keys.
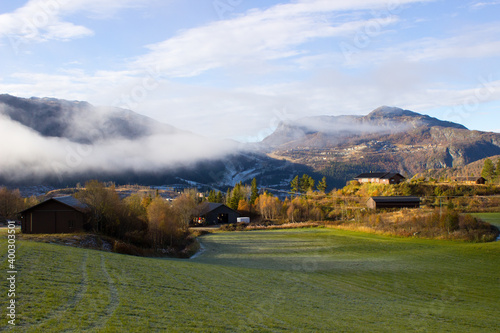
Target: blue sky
{"x": 236, "y": 68}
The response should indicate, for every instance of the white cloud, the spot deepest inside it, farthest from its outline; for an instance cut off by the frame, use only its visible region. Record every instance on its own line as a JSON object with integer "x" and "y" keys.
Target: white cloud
{"x": 259, "y": 35}
{"x": 38, "y": 156}
{"x": 482, "y": 4}
{"x": 43, "y": 20}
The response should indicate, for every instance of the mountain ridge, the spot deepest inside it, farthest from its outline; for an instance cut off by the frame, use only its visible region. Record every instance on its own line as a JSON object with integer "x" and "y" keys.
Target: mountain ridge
{"x": 79, "y": 121}
{"x": 336, "y": 128}
{"x": 119, "y": 144}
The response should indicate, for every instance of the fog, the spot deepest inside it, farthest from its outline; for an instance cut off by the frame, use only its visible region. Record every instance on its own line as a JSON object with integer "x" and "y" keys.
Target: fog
{"x": 25, "y": 153}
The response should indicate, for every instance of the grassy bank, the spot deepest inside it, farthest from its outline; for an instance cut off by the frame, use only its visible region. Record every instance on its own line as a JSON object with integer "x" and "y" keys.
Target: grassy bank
{"x": 284, "y": 280}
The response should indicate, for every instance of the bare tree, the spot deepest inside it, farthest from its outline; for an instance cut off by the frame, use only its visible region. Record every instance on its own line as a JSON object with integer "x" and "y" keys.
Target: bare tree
{"x": 11, "y": 203}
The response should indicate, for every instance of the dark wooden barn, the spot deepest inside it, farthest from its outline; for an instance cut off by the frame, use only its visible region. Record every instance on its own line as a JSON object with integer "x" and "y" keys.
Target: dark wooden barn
{"x": 470, "y": 180}
{"x": 380, "y": 178}
{"x": 393, "y": 202}
{"x": 55, "y": 215}
{"x": 217, "y": 213}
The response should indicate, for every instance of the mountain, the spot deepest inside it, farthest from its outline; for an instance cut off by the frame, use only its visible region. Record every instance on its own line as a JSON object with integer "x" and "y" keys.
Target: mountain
{"x": 79, "y": 121}
{"x": 388, "y": 138}
{"x": 324, "y": 131}
{"x": 58, "y": 142}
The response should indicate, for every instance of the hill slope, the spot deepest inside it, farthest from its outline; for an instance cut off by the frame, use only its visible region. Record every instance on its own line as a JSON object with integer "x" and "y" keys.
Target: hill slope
{"x": 386, "y": 139}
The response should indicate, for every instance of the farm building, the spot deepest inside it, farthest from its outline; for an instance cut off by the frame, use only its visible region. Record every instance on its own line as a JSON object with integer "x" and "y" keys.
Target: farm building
{"x": 55, "y": 215}
{"x": 380, "y": 178}
{"x": 217, "y": 213}
{"x": 393, "y": 202}
{"x": 470, "y": 180}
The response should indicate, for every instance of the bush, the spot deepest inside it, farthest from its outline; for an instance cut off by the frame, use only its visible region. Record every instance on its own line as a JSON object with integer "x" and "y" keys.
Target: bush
{"x": 450, "y": 221}
{"x": 125, "y": 248}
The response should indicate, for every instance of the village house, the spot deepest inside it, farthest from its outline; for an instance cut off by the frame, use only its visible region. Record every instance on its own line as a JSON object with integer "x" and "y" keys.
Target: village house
{"x": 380, "y": 178}
{"x": 393, "y": 202}
{"x": 217, "y": 213}
{"x": 56, "y": 215}
{"x": 470, "y": 180}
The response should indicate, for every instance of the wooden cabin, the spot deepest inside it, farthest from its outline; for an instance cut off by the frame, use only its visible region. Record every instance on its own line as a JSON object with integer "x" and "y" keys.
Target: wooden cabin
{"x": 380, "y": 178}
{"x": 55, "y": 215}
{"x": 393, "y": 202}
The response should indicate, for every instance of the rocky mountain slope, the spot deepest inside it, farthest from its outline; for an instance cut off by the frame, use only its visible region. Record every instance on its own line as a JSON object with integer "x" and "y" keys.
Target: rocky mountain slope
{"x": 330, "y": 131}
{"x": 61, "y": 142}
{"x": 386, "y": 139}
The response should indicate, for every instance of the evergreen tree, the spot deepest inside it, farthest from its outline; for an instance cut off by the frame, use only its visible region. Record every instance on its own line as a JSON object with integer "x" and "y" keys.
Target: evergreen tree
{"x": 322, "y": 185}
{"x": 228, "y": 197}
{"x": 254, "y": 194}
{"x": 219, "y": 198}
{"x": 306, "y": 183}
{"x": 211, "y": 196}
{"x": 236, "y": 196}
{"x": 488, "y": 169}
{"x": 295, "y": 184}
{"x": 497, "y": 171}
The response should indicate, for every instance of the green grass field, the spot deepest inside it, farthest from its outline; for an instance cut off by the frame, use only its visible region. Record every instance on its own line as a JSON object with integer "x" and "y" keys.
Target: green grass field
{"x": 491, "y": 218}
{"x": 307, "y": 280}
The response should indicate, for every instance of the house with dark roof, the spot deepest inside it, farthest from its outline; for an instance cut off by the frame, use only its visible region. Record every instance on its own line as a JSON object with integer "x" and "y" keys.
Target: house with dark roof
{"x": 55, "y": 215}
{"x": 393, "y": 202}
{"x": 216, "y": 213}
{"x": 470, "y": 180}
{"x": 380, "y": 178}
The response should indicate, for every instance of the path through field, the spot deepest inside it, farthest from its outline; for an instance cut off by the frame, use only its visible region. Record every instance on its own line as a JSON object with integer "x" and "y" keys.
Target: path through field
{"x": 311, "y": 280}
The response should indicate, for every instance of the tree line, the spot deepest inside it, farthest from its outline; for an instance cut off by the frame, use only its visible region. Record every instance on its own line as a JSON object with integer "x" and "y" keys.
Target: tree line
{"x": 490, "y": 172}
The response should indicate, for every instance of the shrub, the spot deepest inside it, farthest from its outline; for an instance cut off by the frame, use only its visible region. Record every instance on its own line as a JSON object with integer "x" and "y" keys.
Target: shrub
{"x": 125, "y": 248}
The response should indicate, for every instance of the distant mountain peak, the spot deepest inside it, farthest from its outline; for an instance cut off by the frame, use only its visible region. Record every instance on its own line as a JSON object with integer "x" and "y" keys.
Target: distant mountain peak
{"x": 391, "y": 111}
{"x": 79, "y": 121}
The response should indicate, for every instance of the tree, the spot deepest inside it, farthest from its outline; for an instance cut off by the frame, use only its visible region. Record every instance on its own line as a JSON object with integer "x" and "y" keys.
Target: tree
{"x": 269, "y": 206}
{"x": 243, "y": 206}
{"x": 219, "y": 197}
{"x": 497, "y": 171}
{"x": 186, "y": 206}
{"x": 105, "y": 206}
{"x": 488, "y": 170}
{"x": 164, "y": 226}
{"x": 11, "y": 203}
{"x": 322, "y": 185}
{"x": 295, "y": 184}
{"x": 306, "y": 183}
{"x": 236, "y": 196}
{"x": 212, "y": 197}
{"x": 254, "y": 192}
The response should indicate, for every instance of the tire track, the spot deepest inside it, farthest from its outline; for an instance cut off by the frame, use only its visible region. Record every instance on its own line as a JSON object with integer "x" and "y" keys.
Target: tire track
{"x": 72, "y": 304}
{"x": 114, "y": 298}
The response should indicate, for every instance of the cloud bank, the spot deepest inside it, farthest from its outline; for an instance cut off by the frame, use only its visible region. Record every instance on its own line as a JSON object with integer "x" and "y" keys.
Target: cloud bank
{"x": 26, "y": 154}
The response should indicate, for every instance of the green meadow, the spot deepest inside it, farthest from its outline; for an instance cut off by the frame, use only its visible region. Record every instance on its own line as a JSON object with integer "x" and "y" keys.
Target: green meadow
{"x": 303, "y": 280}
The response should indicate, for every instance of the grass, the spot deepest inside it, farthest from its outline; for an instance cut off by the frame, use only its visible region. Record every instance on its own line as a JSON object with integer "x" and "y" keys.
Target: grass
{"x": 309, "y": 280}
{"x": 491, "y": 218}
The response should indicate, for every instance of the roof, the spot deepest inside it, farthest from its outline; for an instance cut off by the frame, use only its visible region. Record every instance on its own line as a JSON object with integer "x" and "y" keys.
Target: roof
{"x": 210, "y": 206}
{"x": 392, "y": 175}
{"x": 380, "y": 175}
{"x": 395, "y": 199}
{"x": 66, "y": 200}
{"x": 470, "y": 178}
{"x": 372, "y": 175}
{"x": 71, "y": 201}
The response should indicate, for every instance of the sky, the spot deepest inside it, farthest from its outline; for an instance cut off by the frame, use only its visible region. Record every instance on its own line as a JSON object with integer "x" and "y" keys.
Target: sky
{"x": 237, "y": 68}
